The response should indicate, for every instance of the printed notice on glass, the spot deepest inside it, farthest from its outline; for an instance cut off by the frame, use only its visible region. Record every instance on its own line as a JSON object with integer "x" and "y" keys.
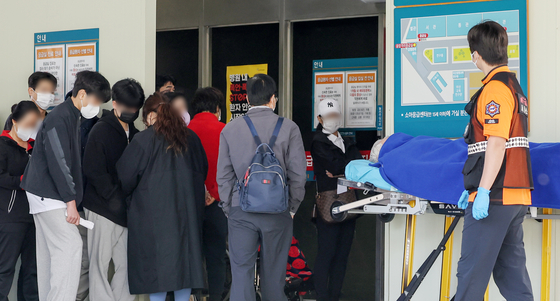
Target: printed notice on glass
{"x": 329, "y": 85}
{"x": 361, "y": 99}
{"x": 79, "y": 57}
{"x": 51, "y": 59}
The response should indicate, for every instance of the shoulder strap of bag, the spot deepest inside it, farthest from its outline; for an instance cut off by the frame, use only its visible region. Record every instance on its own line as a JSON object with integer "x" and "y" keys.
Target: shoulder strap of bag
{"x": 253, "y": 130}
{"x": 276, "y": 132}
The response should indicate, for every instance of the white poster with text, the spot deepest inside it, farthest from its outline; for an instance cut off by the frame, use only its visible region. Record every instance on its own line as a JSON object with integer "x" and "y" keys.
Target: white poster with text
{"x": 79, "y": 57}
{"x": 51, "y": 59}
{"x": 328, "y": 85}
{"x": 361, "y": 99}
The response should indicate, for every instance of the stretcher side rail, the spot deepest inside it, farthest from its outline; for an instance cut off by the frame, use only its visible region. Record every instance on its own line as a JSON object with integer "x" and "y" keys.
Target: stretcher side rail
{"x": 534, "y": 214}
{"x": 398, "y": 202}
{"x": 543, "y": 216}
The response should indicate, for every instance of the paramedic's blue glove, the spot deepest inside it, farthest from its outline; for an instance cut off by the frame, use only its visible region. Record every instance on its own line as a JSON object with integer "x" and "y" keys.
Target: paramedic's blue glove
{"x": 481, "y": 203}
{"x": 464, "y": 200}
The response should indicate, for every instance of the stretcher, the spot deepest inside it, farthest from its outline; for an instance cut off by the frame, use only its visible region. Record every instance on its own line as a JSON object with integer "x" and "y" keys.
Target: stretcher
{"x": 387, "y": 204}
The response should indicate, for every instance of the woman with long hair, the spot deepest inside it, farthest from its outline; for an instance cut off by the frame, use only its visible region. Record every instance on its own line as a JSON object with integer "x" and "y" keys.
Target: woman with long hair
{"x": 163, "y": 170}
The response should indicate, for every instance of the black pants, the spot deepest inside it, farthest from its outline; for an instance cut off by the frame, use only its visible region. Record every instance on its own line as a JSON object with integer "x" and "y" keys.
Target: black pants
{"x": 215, "y": 229}
{"x": 18, "y": 239}
{"x": 334, "y": 242}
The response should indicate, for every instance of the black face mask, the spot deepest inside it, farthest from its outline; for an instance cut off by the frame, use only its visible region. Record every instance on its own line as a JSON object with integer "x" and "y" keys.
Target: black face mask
{"x": 128, "y": 117}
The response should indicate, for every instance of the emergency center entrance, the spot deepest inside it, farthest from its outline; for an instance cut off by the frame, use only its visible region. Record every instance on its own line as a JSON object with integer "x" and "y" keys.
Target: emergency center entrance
{"x": 310, "y": 40}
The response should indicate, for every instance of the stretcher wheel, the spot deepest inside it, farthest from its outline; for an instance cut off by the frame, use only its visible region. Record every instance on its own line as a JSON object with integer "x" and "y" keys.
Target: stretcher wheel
{"x": 387, "y": 217}
{"x": 339, "y": 217}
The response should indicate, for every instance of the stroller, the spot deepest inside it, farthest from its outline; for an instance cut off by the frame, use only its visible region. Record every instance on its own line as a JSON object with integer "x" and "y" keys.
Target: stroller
{"x": 299, "y": 277}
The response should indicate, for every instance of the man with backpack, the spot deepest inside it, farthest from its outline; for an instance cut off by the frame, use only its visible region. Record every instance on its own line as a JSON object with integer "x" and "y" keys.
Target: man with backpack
{"x": 261, "y": 178}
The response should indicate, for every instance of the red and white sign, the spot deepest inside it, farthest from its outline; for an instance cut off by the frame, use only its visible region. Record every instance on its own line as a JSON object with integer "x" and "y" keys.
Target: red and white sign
{"x": 405, "y": 45}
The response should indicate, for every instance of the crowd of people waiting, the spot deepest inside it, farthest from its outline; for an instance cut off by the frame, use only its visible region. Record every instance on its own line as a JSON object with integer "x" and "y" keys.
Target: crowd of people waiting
{"x": 163, "y": 200}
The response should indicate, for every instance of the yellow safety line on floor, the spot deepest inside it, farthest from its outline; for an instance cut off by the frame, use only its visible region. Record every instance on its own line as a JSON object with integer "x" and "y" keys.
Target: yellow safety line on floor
{"x": 447, "y": 261}
{"x": 546, "y": 255}
{"x": 408, "y": 250}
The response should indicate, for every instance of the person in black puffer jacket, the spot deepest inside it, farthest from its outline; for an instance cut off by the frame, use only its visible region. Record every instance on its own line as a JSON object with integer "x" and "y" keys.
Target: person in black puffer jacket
{"x": 17, "y": 230}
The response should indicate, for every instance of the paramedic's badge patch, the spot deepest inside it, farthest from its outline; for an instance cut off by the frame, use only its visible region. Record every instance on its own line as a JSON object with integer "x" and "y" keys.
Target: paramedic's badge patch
{"x": 492, "y": 109}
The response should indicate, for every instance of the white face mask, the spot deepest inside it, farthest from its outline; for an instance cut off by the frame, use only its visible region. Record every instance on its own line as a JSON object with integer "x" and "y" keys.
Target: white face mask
{"x": 44, "y": 100}
{"x": 89, "y": 111}
{"x": 331, "y": 125}
{"x": 187, "y": 118}
{"x": 24, "y": 134}
{"x": 474, "y": 61}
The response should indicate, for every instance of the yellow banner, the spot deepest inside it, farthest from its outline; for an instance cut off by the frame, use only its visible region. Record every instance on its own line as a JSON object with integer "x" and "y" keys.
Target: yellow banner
{"x": 236, "y": 92}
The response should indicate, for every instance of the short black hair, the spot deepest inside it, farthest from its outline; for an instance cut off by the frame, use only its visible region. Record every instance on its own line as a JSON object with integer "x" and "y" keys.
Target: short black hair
{"x": 38, "y": 76}
{"x": 128, "y": 92}
{"x": 260, "y": 88}
{"x": 161, "y": 80}
{"x": 208, "y": 99}
{"x": 490, "y": 40}
{"x": 93, "y": 83}
{"x": 21, "y": 109}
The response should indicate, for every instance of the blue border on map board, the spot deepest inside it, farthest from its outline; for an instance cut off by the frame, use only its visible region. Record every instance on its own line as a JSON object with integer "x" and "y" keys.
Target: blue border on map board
{"x": 449, "y": 127}
{"x": 67, "y": 37}
{"x": 354, "y": 64}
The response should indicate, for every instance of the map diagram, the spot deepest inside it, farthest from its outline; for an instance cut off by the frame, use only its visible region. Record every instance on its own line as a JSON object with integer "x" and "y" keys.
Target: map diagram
{"x": 436, "y": 61}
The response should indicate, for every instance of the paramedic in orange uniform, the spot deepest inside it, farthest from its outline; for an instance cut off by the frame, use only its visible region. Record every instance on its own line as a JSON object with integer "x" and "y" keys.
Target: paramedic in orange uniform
{"x": 497, "y": 175}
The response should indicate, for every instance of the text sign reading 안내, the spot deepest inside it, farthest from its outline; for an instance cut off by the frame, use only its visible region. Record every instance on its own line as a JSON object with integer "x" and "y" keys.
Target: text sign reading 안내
{"x": 353, "y": 84}
{"x": 65, "y": 53}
